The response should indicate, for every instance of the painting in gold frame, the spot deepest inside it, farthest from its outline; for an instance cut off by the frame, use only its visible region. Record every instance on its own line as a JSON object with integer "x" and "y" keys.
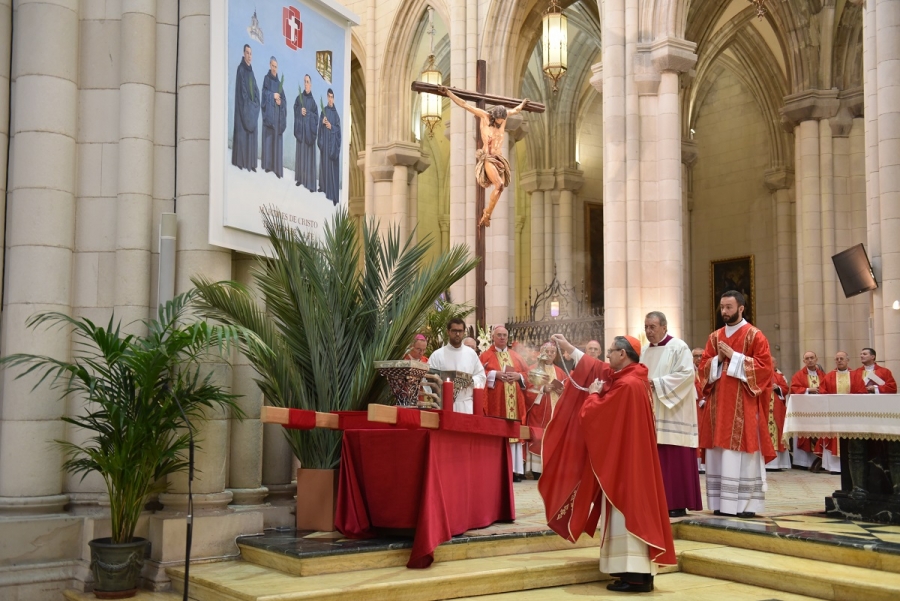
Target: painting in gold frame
{"x": 735, "y": 273}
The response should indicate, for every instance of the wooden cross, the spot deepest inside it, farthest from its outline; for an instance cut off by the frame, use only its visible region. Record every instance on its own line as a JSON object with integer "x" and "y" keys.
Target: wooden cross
{"x": 481, "y": 99}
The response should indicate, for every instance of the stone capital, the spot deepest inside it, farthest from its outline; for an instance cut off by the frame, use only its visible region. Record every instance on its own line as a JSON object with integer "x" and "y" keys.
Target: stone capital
{"x": 444, "y": 223}
{"x": 537, "y": 180}
{"x": 809, "y": 105}
{"x": 597, "y": 77}
{"x": 382, "y": 173}
{"x": 423, "y": 163}
{"x": 689, "y": 152}
{"x": 646, "y": 75}
{"x": 780, "y": 178}
{"x": 569, "y": 179}
{"x": 401, "y": 153}
{"x": 673, "y": 54}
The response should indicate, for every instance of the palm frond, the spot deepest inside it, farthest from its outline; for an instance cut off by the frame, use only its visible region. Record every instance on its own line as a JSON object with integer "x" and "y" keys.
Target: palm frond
{"x": 326, "y": 310}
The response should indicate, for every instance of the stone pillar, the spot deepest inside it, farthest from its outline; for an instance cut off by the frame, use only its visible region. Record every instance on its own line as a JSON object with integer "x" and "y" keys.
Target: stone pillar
{"x": 246, "y": 436}
{"x": 550, "y": 219}
{"x": 779, "y": 182}
{"x": 537, "y": 240}
{"x": 195, "y": 255}
{"x": 5, "y": 54}
{"x": 134, "y": 202}
{"x": 413, "y": 219}
{"x": 459, "y": 191}
{"x": 38, "y": 252}
{"x": 568, "y": 181}
{"x": 860, "y": 304}
{"x": 444, "y": 224}
{"x": 381, "y": 170}
{"x": 401, "y": 156}
{"x": 372, "y": 85}
{"x": 887, "y": 48}
{"x": 827, "y": 212}
{"x": 689, "y": 155}
{"x": 670, "y": 56}
{"x": 873, "y": 204}
{"x": 814, "y": 171}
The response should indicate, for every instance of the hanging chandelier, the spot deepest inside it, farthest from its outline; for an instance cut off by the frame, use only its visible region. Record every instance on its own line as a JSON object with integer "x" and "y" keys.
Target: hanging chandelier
{"x": 760, "y": 7}
{"x": 555, "y": 43}
{"x": 431, "y": 103}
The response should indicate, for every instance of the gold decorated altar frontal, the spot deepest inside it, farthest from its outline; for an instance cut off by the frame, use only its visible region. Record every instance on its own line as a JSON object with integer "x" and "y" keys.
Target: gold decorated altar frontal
{"x": 861, "y": 416}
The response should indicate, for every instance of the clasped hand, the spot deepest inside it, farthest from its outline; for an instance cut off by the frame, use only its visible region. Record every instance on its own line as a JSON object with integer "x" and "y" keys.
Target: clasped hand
{"x": 725, "y": 351}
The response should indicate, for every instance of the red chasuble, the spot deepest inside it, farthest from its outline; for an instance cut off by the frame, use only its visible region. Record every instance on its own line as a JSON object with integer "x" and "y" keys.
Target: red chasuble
{"x": 538, "y": 416}
{"x": 799, "y": 383}
{"x": 890, "y": 385}
{"x": 702, "y": 418}
{"x": 829, "y": 385}
{"x": 505, "y": 400}
{"x": 736, "y": 411}
{"x": 778, "y": 410}
{"x": 606, "y": 445}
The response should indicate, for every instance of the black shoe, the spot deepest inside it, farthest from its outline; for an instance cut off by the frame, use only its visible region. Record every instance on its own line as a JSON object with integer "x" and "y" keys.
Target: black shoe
{"x": 677, "y": 513}
{"x": 621, "y": 586}
{"x": 816, "y": 466}
{"x": 746, "y": 514}
{"x": 517, "y": 477}
{"x": 536, "y": 475}
{"x": 717, "y": 512}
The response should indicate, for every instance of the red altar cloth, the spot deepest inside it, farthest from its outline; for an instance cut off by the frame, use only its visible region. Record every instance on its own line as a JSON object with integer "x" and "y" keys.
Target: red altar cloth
{"x": 439, "y": 482}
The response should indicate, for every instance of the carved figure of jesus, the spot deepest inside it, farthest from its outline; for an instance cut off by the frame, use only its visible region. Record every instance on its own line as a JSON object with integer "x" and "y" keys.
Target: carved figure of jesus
{"x": 491, "y": 167}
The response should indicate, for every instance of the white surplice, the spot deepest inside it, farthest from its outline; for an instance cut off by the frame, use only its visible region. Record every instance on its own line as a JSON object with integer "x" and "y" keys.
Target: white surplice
{"x": 462, "y": 359}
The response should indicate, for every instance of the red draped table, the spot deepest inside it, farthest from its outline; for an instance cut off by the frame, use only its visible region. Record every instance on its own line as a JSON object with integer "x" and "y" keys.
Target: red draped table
{"x": 440, "y": 483}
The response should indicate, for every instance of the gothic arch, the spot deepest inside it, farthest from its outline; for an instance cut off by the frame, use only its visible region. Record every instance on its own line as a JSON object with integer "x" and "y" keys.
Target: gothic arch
{"x": 394, "y": 96}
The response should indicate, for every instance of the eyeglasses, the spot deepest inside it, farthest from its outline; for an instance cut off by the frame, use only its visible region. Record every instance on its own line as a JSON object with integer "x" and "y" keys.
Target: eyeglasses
{"x": 610, "y": 351}
{"x": 452, "y": 331}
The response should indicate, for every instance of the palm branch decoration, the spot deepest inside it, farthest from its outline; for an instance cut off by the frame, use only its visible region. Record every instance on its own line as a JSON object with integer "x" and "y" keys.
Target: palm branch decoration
{"x": 130, "y": 385}
{"x": 327, "y": 309}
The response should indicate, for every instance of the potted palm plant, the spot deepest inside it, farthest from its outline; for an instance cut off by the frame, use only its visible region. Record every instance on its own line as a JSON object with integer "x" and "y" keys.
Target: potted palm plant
{"x": 329, "y": 309}
{"x": 141, "y": 392}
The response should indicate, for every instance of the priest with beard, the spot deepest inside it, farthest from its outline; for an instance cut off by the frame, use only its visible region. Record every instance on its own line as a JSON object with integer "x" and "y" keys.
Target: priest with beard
{"x": 330, "y": 151}
{"x": 306, "y": 128}
{"x": 601, "y": 466}
{"x": 244, "y": 142}
{"x": 736, "y": 377}
{"x": 274, "y": 110}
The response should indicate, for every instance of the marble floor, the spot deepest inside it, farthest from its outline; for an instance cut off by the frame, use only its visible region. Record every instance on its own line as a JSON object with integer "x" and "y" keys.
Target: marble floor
{"x": 790, "y": 493}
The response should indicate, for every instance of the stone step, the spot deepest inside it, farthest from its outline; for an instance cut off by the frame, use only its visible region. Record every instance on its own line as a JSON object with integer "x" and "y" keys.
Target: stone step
{"x": 244, "y": 581}
{"x": 819, "y": 579}
{"x": 670, "y": 587}
{"x": 287, "y": 559}
{"x": 861, "y": 554}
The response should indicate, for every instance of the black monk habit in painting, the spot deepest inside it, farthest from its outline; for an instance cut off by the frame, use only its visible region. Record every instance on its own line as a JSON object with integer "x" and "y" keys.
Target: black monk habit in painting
{"x": 244, "y": 140}
{"x": 330, "y": 147}
{"x": 274, "y": 121}
{"x": 306, "y": 122}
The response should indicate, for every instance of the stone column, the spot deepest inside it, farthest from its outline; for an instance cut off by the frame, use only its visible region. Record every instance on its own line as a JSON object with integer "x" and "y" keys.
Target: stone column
{"x": 381, "y": 170}
{"x": 134, "y": 203}
{"x": 246, "y": 436}
{"x": 444, "y": 224}
{"x": 689, "y": 155}
{"x": 401, "y": 156}
{"x": 413, "y": 219}
{"x": 806, "y": 109}
{"x": 5, "y": 54}
{"x": 38, "y": 252}
{"x": 459, "y": 191}
{"x": 195, "y": 254}
{"x": 550, "y": 219}
{"x": 873, "y": 204}
{"x": 779, "y": 182}
{"x": 568, "y": 181}
{"x": 887, "y": 47}
{"x": 827, "y": 212}
{"x": 860, "y": 304}
{"x": 537, "y": 183}
{"x": 670, "y": 56}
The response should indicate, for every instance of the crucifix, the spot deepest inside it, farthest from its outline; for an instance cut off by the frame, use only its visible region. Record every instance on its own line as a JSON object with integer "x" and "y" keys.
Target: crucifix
{"x": 487, "y": 171}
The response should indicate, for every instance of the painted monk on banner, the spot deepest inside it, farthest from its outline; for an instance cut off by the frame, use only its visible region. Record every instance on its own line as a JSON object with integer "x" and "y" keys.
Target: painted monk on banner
{"x": 506, "y": 373}
{"x": 601, "y": 466}
{"x": 736, "y": 375}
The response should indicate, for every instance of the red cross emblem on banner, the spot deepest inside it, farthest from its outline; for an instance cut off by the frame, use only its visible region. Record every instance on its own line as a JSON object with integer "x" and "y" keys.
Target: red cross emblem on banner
{"x": 292, "y": 27}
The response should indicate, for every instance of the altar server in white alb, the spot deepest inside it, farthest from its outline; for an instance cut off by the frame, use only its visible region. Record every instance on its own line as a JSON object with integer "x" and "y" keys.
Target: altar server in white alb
{"x": 455, "y": 356}
{"x": 671, "y": 372}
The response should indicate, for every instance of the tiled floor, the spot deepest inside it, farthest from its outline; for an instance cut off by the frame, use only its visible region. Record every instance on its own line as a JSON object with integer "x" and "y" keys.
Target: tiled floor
{"x": 789, "y": 493}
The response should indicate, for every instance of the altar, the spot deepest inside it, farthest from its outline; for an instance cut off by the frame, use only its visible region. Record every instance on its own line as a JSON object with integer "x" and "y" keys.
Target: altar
{"x": 871, "y": 417}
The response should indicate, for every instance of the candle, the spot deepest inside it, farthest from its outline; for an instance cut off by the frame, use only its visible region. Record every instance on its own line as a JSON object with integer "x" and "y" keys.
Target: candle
{"x": 478, "y": 401}
{"x": 447, "y": 396}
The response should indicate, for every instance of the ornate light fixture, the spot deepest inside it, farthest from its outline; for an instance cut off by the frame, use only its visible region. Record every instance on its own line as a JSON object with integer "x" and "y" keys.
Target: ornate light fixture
{"x": 760, "y": 7}
{"x": 431, "y": 103}
{"x": 555, "y": 43}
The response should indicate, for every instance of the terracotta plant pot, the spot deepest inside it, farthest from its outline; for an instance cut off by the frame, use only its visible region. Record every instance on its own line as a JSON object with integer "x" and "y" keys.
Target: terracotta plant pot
{"x": 316, "y": 499}
{"x": 117, "y": 566}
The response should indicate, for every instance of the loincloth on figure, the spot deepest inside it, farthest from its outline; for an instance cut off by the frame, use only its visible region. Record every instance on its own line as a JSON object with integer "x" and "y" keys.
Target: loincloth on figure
{"x": 498, "y": 161}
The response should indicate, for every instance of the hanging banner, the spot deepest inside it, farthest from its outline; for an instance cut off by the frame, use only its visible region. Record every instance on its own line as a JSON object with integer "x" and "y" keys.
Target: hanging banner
{"x": 279, "y": 116}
